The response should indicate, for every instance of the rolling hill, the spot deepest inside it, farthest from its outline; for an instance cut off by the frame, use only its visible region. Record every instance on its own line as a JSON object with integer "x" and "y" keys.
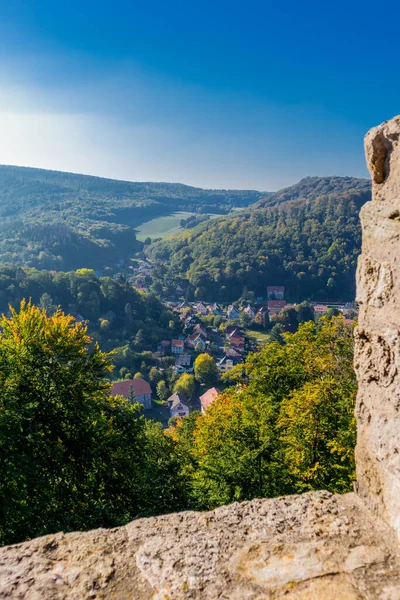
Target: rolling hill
{"x": 306, "y": 237}
{"x": 56, "y": 220}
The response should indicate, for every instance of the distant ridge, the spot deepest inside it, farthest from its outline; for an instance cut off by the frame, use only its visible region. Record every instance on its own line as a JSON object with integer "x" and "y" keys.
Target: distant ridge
{"x": 60, "y": 220}
{"x": 306, "y": 237}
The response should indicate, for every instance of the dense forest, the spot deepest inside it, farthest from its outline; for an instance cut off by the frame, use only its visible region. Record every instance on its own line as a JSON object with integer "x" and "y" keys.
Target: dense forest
{"x": 55, "y": 220}
{"x": 120, "y": 318}
{"x": 306, "y": 237}
{"x": 73, "y": 457}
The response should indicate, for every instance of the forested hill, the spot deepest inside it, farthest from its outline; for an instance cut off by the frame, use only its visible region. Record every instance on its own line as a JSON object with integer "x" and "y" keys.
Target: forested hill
{"x": 51, "y": 219}
{"x": 306, "y": 237}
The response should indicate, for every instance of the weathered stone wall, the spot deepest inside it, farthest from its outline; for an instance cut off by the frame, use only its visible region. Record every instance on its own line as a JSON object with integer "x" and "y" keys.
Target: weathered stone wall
{"x": 309, "y": 547}
{"x": 377, "y": 357}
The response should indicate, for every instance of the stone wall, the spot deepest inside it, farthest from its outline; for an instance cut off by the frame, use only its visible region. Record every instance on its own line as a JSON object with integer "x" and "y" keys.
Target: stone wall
{"x": 377, "y": 356}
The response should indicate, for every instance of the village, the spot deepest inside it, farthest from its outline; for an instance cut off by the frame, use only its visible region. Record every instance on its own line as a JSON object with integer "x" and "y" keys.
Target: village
{"x": 226, "y": 334}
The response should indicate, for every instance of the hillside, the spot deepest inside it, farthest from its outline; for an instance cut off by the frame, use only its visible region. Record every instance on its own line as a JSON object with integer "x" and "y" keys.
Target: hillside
{"x": 51, "y": 219}
{"x": 306, "y": 237}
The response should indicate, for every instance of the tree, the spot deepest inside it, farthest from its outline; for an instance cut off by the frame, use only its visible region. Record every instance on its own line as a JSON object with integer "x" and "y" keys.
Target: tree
{"x": 46, "y": 303}
{"x": 276, "y": 333}
{"x": 131, "y": 395}
{"x": 305, "y": 312}
{"x": 155, "y": 375}
{"x": 162, "y": 390}
{"x": 288, "y": 317}
{"x": 185, "y": 385}
{"x": 198, "y": 347}
{"x": 69, "y": 452}
{"x": 290, "y": 429}
{"x": 205, "y": 369}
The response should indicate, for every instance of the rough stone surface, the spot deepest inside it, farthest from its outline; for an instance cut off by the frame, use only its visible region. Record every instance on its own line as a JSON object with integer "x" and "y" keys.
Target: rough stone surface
{"x": 377, "y": 357}
{"x": 295, "y": 548}
{"x": 310, "y": 547}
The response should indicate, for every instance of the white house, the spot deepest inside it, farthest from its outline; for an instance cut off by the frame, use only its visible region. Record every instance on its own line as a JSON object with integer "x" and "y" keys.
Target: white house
{"x": 200, "y": 308}
{"x": 177, "y": 346}
{"x": 177, "y": 406}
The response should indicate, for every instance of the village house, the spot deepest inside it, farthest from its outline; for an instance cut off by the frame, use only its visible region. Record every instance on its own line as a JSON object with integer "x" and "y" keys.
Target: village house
{"x": 275, "y": 292}
{"x": 208, "y": 398}
{"x": 232, "y": 312}
{"x": 183, "y": 306}
{"x": 140, "y": 387}
{"x": 275, "y": 306}
{"x": 237, "y": 343}
{"x": 227, "y": 362}
{"x": 177, "y": 346}
{"x": 215, "y": 310}
{"x": 200, "y": 308}
{"x": 163, "y": 346}
{"x": 225, "y": 365}
{"x": 321, "y": 309}
{"x": 177, "y": 406}
{"x": 196, "y": 339}
{"x": 184, "y": 363}
{"x": 231, "y": 329}
{"x": 199, "y": 329}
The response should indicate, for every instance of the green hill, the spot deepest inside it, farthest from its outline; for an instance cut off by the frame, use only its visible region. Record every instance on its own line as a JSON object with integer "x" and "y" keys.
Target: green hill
{"x": 56, "y": 220}
{"x": 306, "y": 237}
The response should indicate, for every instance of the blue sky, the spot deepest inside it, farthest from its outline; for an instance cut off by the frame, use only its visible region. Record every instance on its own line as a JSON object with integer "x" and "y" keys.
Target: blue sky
{"x": 216, "y": 94}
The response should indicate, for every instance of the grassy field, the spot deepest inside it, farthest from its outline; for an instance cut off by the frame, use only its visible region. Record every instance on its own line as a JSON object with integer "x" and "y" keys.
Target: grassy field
{"x": 163, "y": 226}
{"x": 260, "y": 336}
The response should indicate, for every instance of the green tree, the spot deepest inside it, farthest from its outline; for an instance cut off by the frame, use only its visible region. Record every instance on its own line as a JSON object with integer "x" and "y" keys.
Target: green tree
{"x": 305, "y": 312}
{"x": 69, "y": 452}
{"x": 205, "y": 370}
{"x": 290, "y": 429}
{"x": 46, "y": 303}
{"x": 276, "y": 333}
{"x": 131, "y": 395}
{"x": 162, "y": 390}
{"x": 155, "y": 375}
{"x": 185, "y": 385}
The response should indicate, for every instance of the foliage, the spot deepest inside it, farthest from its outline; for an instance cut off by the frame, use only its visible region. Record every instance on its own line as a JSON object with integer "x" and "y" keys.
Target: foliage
{"x": 185, "y": 385}
{"x": 55, "y": 220}
{"x": 306, "y": 238}
{"x": 205, "y": 369}
{"x": 290, "y": 429}
{"x": 119, "y": 317}
{"x": 162, "y": 390}
{"x": 71, "y": 456}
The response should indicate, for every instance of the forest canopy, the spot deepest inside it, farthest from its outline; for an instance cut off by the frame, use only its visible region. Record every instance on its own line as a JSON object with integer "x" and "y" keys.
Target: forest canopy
{"x": 55, "y": 220}
{"x": 306, "y": 238}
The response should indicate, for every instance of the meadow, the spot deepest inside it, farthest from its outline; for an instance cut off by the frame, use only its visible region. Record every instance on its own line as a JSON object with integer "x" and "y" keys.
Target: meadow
{"x": 163, "y": 227}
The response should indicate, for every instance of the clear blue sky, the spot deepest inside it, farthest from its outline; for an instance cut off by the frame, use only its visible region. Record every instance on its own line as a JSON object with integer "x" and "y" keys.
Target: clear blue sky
{"x": 253, "y": 94}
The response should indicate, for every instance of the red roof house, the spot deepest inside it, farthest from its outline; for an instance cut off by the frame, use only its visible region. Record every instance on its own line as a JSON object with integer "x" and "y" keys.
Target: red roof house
{"x": 141, "y": 389}
{"x": 275, "y": 306}
{"x": 208, "y": 398}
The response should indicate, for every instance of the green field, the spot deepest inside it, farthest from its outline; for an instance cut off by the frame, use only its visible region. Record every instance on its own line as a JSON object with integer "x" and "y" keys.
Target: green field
{"x": 259, "y": 336}
{"x": 163, "y": 226}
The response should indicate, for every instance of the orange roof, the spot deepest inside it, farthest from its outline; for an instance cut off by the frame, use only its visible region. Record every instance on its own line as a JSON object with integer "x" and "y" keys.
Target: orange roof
{"x": 209, "y": 397}
{"x": 139, "y": 385}
{"x": 177, "y": 343}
